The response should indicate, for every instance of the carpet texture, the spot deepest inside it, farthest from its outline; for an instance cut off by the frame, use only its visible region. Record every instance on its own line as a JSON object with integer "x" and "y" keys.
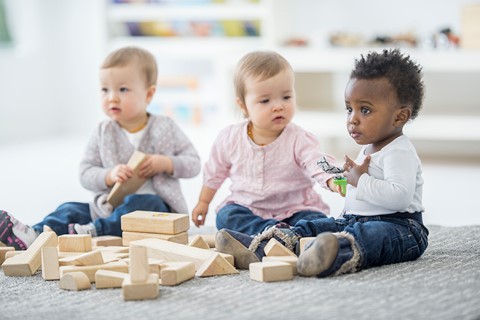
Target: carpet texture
{"x": 443, "y": 284}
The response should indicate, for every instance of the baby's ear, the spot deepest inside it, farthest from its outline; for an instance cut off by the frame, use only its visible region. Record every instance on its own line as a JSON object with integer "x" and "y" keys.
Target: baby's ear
{"x": 403, "y": 115}
{"x": 242, "y": 107}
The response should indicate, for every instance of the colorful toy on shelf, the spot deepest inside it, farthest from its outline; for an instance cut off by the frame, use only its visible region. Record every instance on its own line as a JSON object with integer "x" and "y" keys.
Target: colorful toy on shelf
{"x": 339, "y": 180}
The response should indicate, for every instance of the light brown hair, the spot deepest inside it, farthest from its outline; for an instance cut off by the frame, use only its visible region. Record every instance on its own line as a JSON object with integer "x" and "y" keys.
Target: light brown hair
{"x": 142, "y": 58}
{"x": 260, "y": 65}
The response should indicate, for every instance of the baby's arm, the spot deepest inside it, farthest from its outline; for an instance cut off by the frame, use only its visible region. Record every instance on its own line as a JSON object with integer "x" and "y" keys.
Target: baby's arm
{"x": 200, "y": 211}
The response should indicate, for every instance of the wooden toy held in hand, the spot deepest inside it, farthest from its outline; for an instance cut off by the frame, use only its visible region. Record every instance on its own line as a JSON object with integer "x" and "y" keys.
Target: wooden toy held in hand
{"x": 121, "y": 190}
{"x": 339, "y": 180}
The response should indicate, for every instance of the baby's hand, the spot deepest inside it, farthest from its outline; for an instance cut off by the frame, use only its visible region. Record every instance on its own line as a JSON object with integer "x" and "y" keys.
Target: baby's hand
{"x": 334, "y": 187}
{"x": 199, "y": 214}
{"x": 353, "y": 171}
{"x": 155, "y": 163}
{"x": 119, "y": 173}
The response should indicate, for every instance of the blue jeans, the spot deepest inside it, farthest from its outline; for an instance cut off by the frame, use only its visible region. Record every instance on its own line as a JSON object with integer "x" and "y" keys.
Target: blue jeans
{"x": 239, "y": 218}
{"x": 77, "y": 212}
{"x": 380, "y": 240}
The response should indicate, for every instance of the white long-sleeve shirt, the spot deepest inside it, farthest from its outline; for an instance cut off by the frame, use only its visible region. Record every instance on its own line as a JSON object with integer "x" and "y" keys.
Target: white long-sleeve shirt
{"x": 393, "y": 183}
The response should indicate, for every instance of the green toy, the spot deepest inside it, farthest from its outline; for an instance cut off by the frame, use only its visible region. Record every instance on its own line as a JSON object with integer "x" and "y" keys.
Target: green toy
{"x": 338, "y": 180}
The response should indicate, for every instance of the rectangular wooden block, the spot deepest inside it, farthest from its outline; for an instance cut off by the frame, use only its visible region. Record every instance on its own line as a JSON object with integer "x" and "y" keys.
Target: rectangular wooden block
{"x": 304, "y": 241}
{"x": 155, "y": 222}
{"x": 138, "y": 267}
{"x": 121, "y": 190}
{"x": 141, "y": 290}
{"x": 128, "y": 236}
{"x": 173, "y": 273}
{"x": 50, "y": 266}
{"x": 109, "y": 279}
{"x": 84, "y": 259}
{"x": 90, "y": 271}
{"x": 106, "y": 241}
{"x": 75, "y": 243}
{"x": 3, "y": 252}
{"x": 27, "y": 263}
{"x": 291, "y": 260}
{"x": 270, "y": 271}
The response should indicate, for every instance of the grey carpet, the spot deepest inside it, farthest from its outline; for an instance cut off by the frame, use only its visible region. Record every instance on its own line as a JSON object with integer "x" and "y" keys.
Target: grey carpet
{"x": 443, "y": 284}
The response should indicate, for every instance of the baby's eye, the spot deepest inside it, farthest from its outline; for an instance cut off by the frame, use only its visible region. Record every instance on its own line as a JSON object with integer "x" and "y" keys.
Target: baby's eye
{"x": 349, "y": 109}
{"x": 287, "y": 97}
{"x": 365, "y": 110}
{"x": 123, "y": 89}
{"x": 264, "y": 101}
{"x": 104, "y": 90}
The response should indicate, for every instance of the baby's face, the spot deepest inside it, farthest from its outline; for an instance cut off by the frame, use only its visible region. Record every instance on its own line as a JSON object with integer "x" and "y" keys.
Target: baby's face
{"x": 270, "y": 104}
{"x": 372, "y": 112}
{"x": 124, "y": 94}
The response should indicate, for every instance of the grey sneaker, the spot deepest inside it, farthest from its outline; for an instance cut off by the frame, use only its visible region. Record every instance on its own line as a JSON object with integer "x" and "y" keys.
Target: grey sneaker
{"x": 318, "y": 255}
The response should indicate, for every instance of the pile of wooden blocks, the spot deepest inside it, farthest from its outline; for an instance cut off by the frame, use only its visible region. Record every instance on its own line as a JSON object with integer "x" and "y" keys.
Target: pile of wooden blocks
{"x": 78, "y": 261}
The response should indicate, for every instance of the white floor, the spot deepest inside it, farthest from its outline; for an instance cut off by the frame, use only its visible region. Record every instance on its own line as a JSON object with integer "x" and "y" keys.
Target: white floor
{"x": 36, "y": 177}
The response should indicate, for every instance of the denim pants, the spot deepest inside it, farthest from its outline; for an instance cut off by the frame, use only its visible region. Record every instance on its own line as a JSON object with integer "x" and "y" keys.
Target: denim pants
{"x": 380, "y": 240}
{"x": 239, "y": 218}
{"x": 77, "y": 212}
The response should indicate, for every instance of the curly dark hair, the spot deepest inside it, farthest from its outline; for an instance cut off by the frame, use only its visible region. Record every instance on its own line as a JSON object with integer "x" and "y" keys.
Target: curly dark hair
{"x": 404, "y": 75}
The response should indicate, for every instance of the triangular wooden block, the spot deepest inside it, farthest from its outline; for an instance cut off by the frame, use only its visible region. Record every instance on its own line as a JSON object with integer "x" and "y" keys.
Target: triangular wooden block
{"x": 275, "y": 248}
{"x": 216, "y": 265}
{"x": 199, "y": 242}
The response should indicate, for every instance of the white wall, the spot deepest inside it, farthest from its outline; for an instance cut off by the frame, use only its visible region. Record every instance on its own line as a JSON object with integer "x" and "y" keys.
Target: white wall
{"x": 48, "y": 78}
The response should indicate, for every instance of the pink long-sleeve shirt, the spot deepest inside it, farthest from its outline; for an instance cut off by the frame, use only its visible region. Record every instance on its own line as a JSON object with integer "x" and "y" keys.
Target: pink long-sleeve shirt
{"x": 273, "y": 181}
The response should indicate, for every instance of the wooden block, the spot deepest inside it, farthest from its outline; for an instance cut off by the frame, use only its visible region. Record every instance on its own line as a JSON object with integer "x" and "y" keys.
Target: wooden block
{"x": 128, "y": 236}
{"x": 113, "y": 256}
{"x": 270, "y": 271}
{"x": 10, "y": 254}
{"x": 74, "y": 281}
{"x": 154, "y": 265}
{"x": 91, "y": 258}
{"x": 174, "y": 273}
{"x": 3, "y": 252}
{"x": 292, "y": 261}
{"x": 75, "y": 243}
{"x": 140, "y": 290}
{"x": 27, "y": 263}
{"x": 155, "y": 222}
{"x": 215, "y": 266}
{"x": 228, "y": 257}
{"x": 171, "y": 251}
{"x": 90, "y": 271}
{"x": 209, "y": 239}
{"x": 138, "y": 267}
{"x": 199, "y": 242}
{"x": 121, "y": 190}
{"x": 109, "y": 279}
{"x": 106, "y": 241}
{"x": 304, "y": 241}
{"x": 275, "y": 248}
{"x": 50, "y": 266}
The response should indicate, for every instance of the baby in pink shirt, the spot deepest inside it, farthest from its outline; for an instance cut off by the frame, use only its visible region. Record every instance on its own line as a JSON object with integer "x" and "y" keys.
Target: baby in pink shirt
{"x": 271, "y": 162}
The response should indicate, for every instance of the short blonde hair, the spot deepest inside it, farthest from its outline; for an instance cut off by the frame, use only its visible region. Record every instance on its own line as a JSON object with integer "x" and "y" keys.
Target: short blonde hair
{"x": 141, "y": 57}
{"x": 261, "y": 65}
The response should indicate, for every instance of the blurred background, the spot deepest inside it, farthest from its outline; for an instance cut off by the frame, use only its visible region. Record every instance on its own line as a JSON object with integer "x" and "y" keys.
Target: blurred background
{"x": 50, "y": 51}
